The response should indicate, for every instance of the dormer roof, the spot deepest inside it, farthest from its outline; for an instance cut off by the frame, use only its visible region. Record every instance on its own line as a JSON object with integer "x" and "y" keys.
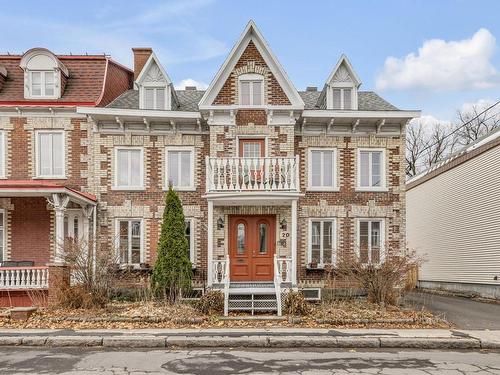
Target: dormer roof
{"x": 344, "y": 72}
{"x": 251, "y": 34}
{"x": 42, "y": 59}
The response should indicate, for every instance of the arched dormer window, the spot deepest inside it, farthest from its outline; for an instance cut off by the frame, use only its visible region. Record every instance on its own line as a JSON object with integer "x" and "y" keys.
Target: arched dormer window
{"x": 44, "y": 74}
{"x": 342, "y": 87}
{"x": 155, "y": 87}
{"x": 251, "y": 89}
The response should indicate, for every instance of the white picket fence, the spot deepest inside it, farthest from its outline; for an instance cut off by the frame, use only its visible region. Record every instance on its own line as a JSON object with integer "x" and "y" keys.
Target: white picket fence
{"x": 252, "y": 174}
{"x": 13, "y": 278}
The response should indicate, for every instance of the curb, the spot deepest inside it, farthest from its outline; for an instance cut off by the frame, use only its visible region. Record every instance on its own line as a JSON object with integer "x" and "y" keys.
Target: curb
{"x": 265, "y": 341}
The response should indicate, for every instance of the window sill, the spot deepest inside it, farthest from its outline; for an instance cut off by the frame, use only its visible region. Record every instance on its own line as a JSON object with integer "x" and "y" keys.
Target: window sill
{"x": 371, "y": 190}
{"x": 50, "y": 178}
{"x": 323, "y": 190}
{"x": 126, "y": 188}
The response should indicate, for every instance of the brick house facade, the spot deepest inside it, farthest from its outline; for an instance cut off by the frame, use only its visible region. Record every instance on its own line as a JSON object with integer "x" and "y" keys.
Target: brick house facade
{"x": 275, "y": 183}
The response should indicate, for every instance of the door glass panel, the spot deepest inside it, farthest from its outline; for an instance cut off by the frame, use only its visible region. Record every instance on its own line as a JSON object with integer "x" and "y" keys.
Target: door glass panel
{"x": 262, "y": 238}
{"x": 240, "y": 247}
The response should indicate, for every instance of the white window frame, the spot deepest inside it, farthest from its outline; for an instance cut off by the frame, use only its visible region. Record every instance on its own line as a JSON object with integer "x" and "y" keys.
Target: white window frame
{"x": 192, "y": 259}
{"x": 245, "y": 137}
{"x": 382, "y": 238}
{"x": 120, "y": 187}
{"x": 3, "y": 155}
{"x": 117, "y": 237}
{"x": 310, "y": 187}
{"x": 191, "y": 149}
{"x": 4, "y": 238}
{"x": 342, "y": 86}
{"x": 333, "y": 220}
{"x": 166, "y": 103}
{"x": 37, "y": 154}
{"x": 42, "y": 95}
{"x": 251, "y": 77}
{"x": 383, "y": 184}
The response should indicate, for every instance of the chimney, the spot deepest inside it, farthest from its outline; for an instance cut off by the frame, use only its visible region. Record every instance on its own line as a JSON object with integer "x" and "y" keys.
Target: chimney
{"x": 311, "y": 88}
{"x": 141, "y": 55}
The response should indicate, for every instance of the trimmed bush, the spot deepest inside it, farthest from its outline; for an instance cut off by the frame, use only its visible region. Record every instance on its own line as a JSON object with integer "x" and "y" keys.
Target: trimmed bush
{"x": 211, "y": 303}
{"x": 295, "y": 304}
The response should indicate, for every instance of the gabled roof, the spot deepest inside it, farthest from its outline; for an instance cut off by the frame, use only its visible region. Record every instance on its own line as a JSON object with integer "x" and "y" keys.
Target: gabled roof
{"x": 94, "y": 80}
{"x": 367, "y": 101}
{"x": 251, "y": 33}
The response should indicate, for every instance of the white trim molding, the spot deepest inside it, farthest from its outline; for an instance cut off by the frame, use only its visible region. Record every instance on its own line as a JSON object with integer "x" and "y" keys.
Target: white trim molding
{"x": 335, "y": 186}
{"x": 322, "y": 220}
{"x": 192, "y": 164}
{"x": 117, "y": 239}
{"x": 251, "y": 78}
{"x": 116, "y": 186}
{"x": 383, "y": 170}
{"x": 3, "y": 155}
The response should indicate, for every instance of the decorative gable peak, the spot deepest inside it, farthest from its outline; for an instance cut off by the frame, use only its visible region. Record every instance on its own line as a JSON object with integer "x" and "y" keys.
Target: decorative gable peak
{"x": 342, "y": 86}
{"x": 155, "y": 86}
{"x": 251, "y": 76}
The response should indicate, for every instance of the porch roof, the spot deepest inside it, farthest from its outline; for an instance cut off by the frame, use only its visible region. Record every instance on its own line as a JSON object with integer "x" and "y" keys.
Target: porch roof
{"x": 37, "y": 188}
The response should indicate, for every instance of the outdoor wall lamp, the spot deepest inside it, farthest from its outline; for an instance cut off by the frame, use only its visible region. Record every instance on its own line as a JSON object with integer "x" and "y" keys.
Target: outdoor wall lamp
{"x": 283, "y": 224}
{"x": 220, "y": 223}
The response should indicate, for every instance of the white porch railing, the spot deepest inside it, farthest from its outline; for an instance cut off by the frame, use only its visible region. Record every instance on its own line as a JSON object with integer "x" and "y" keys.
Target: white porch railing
{"x": 252, "y": 174}
{"x": 282, "y": 274}
{"x": 220, "y": 275}
{"x": 24, "y": 278}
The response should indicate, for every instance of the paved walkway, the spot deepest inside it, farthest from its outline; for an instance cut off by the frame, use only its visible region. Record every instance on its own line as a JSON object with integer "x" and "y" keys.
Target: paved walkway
{"x": 464, "y": 312}
{"x": 14, "y": 361}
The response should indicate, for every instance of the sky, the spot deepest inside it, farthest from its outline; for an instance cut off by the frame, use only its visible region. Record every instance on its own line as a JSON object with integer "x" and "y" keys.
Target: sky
{"x": 436, "y": 56}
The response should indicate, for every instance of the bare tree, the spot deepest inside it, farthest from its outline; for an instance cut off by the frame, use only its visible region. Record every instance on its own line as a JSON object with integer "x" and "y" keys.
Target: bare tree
{"x": 472, "y": 124}
{"x": 441, "y": 143}
{"x": 416, "y": 143}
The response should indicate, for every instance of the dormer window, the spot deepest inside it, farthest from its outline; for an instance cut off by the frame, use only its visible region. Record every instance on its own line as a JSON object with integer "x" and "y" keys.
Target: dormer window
{"x": 342, "y": 87}
{"x": 342, "y": 98}
{"x": 44, "y": 75}
{"x": 251, "y": 89}
{"x": 154, "y": 98}
{"x": 155, "y": 86}
{"x": 42, "y": 84}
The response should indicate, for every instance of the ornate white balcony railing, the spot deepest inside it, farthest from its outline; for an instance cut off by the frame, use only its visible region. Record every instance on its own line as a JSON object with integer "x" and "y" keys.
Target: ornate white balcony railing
{"x": 282, "y": 278}
{"x": 24, "y": 277}
{"x": 220, "y": 271}
{"x": 252, "y": 174}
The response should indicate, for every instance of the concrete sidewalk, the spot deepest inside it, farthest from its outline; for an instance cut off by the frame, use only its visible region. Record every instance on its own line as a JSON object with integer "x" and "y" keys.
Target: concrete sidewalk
{"x": 255, "y": 338}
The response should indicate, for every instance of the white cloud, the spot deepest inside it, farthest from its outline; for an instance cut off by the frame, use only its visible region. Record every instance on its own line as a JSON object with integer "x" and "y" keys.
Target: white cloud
{"x": 190, "y": 82}
{"x": 480, "y": 105}
{"x": 443, "y": 65}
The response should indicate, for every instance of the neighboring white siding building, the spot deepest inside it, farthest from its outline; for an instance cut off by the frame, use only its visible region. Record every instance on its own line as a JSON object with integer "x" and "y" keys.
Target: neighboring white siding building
{"x": 453, "y": 220}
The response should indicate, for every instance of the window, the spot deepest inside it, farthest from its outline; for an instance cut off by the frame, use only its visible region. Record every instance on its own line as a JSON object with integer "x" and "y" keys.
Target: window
{"x": 50, "y": 154}
{"x": 342, "y": 98}
{"x": 2, "y": 154}
{"x": 42, "y": 84}
{"x": 251, "y": 89}
{"x": 371, "y": 170}
{"x": 180, "y": 167}
{"x": 322, "y": 169}
{"x": 129, "y": 168}
{"x": 2, "y": 235}
{"x": 130, "y": 241}
{"x": 73, "y": 223}
{"x": 154, "y": 98}
{"x": 322, "y": 241}
{"x": 370, "y": 241}
{"x": 190, "y": 239}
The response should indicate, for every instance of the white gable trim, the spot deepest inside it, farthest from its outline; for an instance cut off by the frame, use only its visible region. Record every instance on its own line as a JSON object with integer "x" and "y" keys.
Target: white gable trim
{"x": 251, "y": 33}
{"x": 142, "y": 75}
{"x": 344, "y": 60}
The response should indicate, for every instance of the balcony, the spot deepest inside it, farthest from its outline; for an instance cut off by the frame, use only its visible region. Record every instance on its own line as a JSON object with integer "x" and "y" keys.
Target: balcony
{"x": 267, "y": 174}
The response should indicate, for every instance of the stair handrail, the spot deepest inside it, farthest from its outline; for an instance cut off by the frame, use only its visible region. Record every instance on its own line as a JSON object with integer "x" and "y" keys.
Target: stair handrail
{"x": 226, "y": 287}
{"x": 277, "y": 284}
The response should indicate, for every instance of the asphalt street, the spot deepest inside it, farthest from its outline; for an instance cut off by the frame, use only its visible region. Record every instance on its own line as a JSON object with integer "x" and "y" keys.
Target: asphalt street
{"x": 22, "y": 360}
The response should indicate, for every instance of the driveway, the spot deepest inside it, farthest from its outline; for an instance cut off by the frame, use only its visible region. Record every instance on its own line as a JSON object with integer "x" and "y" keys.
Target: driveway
{"x": 463, "y": 312}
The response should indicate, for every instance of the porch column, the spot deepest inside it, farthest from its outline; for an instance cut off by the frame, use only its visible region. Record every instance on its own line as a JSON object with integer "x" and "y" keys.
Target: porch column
{"x": 210, "y": 244}
{"x": 294, "y": 242}
{"x": 60, "y": 202}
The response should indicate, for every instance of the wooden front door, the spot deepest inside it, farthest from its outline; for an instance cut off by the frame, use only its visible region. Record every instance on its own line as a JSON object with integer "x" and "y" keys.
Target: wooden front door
{"x": 251, "y": 247}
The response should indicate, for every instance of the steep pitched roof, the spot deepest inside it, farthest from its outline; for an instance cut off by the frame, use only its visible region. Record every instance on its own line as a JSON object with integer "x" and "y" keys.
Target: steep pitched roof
{"x": 251, "y": 34}
{"x": 90, "y": 81}
{"x": 367, "y": 101}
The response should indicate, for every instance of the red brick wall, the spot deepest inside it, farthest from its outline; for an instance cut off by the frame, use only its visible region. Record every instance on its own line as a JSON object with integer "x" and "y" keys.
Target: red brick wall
{"x": 243, "y": 117}
{"x": 19, "y": 154}
{"x": 30, "y": 230}
{"x": 118, "y": 80}
{"x": 228, "y": 95}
